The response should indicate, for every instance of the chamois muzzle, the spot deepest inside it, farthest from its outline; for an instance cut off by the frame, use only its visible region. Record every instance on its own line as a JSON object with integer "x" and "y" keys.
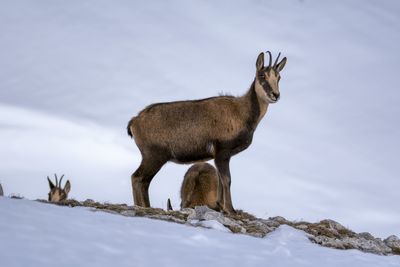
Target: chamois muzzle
{"x": 275, "y": 96}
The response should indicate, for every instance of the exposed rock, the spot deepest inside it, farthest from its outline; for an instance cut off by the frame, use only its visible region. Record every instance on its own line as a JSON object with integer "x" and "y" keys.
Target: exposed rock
{"x": 394, "y": 243}
{"x": 327, "y": 242}
{"x": 374, "y": 246}
{"x": 260, "y": 228}
{"x": 328, "y": 228}
{"x": 302, "y": 227}
{"x": 128, "y": 213}
{"x": 14, "y": 196}
{"x": 279, "y": 219}
{"x": 366, "y": 236}
{"x": 329, "y": 233}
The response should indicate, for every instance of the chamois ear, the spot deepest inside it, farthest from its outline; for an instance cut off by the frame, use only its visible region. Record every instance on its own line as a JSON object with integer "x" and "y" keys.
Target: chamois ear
{"x": 50, "y": 183}
{"x": 260, "y": 62}
{"x": 67, "y": 187}
{"x": 281, "y": 64}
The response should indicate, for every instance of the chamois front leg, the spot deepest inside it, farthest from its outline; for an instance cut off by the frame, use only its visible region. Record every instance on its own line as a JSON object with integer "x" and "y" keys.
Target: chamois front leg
{"x": 224, "y": 184}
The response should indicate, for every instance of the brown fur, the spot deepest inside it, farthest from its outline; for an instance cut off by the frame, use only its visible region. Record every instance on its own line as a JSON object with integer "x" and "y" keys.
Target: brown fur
{"x": 57, "y": 193}
{"x": 197, "y": 130}
{"x": 200, "y": 186}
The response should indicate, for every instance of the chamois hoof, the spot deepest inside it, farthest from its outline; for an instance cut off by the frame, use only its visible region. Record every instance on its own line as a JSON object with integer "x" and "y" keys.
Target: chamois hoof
{"x": 218, "y": 207}
{"x": 230, "y": 211}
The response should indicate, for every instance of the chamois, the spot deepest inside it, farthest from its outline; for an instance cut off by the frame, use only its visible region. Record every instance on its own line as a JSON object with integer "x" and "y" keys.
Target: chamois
{"x": 1, "y": 191}
{"x": 57, "y": 193}
{"x": 198, "y": 130}
{"x": 200, "y": 187}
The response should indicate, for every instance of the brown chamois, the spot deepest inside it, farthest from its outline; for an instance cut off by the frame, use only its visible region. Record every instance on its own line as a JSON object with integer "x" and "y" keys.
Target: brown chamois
{"x": 198, "y": 130}
{"x": 200, "y": 187}
{"x": 57, "y": 193}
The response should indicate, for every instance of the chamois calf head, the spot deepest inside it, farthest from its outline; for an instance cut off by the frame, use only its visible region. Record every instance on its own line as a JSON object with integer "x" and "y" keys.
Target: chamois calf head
{"x": 57, "y": 193}
{"x": 200, "y": 187}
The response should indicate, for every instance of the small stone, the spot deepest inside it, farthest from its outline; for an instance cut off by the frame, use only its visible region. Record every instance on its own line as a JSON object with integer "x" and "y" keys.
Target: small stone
{"x": 279, "y": 219}
{"x": 128, "y": 213}
{"x": 302, "y": 226}
{"x": 333, "y": 225}
{"x": 204, "y": 213}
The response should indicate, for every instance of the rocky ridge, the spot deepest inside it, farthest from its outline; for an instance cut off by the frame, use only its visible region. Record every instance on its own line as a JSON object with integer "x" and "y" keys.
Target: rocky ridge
{"x": 327, "y": 233}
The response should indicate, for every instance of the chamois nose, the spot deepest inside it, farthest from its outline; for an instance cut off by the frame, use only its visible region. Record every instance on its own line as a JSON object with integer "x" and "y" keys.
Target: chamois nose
{"x": 276, "y": 95}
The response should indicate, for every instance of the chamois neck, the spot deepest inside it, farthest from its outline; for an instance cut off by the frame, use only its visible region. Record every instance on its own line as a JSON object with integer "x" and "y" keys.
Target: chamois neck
{"x": 256, "y": 107}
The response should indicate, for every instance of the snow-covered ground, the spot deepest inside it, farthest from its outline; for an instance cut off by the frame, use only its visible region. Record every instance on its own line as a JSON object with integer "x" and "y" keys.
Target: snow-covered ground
{"x": 72, "y": 73}
{"x": 37, "y": 234}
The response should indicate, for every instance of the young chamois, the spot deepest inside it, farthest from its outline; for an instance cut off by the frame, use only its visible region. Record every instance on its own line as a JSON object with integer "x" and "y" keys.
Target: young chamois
{"x": 200, "y": 187}
{"x": 198, "y": 130}
{"x": 57, "y": 193}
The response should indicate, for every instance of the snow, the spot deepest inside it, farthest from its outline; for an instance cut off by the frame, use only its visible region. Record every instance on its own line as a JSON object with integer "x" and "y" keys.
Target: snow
{"x": 72, "y": 73}
{"x": 212, "y": 224}
{"x": 37, "y": 234}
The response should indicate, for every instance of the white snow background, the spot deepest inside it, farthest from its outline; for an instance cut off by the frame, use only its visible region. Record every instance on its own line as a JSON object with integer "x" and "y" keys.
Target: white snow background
{"x": 36, "y": 234}
{"x": 72, "y": 74}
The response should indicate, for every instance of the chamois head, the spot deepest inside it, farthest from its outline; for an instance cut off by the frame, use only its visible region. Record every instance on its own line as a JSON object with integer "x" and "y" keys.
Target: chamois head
{"x": 56, "y": 193}
{"x": 267, "y": 78}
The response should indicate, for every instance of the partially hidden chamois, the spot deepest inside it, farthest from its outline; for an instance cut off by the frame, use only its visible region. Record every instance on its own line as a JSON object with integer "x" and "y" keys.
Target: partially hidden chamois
{"x": 57, "y": 193}
{"x": 198, "y": 130}
{"x": 200, "y": 187}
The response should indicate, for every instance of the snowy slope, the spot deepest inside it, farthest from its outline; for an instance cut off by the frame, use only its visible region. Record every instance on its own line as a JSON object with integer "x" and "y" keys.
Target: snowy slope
{"x": 72, "y": 73}
{"x": 36, "y": 234}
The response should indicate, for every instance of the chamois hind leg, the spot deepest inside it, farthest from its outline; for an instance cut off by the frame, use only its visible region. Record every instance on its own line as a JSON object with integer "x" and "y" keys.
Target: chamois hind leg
{"x": 224, "y": 197}
{"x": 219, "y": 205}
{"x": 142, "y": 177}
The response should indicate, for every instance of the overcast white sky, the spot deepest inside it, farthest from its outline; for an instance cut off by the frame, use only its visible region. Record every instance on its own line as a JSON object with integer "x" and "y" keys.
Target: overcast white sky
{"x": 73, "y": 73}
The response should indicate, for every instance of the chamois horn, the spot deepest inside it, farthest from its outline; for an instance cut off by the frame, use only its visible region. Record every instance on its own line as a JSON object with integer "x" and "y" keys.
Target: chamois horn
{"x": 62, "y": 176}
{"x": 276, "y": 61}
{"x": 270, "y": 59}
